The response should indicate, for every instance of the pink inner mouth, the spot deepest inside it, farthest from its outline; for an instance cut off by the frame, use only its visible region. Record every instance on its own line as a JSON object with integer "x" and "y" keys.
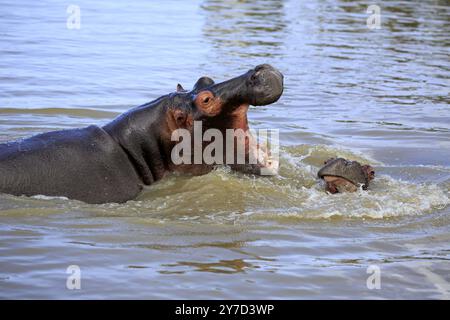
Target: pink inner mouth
{"x": 336, "y": 184}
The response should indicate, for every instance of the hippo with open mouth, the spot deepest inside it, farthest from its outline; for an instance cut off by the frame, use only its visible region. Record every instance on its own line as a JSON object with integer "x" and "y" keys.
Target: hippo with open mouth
{"x": 342, "y": 175}
{"x": 112, "y": 163}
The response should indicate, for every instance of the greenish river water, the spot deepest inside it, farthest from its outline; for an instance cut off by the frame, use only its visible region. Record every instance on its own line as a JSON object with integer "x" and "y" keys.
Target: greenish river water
{"x": 377, "y": 96}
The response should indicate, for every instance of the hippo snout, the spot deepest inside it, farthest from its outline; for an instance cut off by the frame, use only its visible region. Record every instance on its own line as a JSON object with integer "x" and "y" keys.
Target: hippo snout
{"x": 265, "y": 85}
{"x": 259, "y": 86}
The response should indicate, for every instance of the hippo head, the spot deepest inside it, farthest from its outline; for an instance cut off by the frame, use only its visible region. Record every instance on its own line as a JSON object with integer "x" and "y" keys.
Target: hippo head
{"x": 147, "y": 132}
{"x": 224, "y": 105}
{"x": 343, "y": 175}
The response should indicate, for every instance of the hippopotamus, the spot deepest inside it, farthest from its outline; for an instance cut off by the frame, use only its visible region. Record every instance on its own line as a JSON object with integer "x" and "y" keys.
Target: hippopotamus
{"x": 112, "y": 163}
{"x": 342, "y": 175}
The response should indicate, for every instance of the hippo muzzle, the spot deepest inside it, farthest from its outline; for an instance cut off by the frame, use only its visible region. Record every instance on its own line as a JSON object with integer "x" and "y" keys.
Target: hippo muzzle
{"x": 343, "y": 175}
{"x": 265, "y": 85}
{"x": 260, "y": 86}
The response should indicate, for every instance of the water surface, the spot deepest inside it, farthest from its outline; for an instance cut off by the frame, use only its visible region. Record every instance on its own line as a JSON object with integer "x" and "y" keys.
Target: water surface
{"x": 376, "y": 96}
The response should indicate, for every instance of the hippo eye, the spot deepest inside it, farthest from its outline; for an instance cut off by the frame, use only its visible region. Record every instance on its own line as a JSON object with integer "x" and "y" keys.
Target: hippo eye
{"x": 207, "y": 103}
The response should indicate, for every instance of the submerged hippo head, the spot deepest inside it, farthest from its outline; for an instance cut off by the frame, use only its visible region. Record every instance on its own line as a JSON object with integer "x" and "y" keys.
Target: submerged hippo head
{"x": 147, "y": 132}
{"x": 343, "y": 175}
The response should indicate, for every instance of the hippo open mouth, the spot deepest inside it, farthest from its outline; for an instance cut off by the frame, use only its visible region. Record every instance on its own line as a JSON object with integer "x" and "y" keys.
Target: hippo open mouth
{"x": 112, "y": 163}
{"x": 342, "y": 175}
{"x": 224, "y": 106}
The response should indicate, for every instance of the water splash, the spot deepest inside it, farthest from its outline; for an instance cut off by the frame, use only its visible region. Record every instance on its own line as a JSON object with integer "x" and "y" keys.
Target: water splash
{"x": 224, "y": 196}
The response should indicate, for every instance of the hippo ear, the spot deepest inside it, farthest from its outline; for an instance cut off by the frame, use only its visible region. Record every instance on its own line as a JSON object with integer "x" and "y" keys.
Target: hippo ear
{"x": 202, "y": 83}
{"x": 180, "y": 88}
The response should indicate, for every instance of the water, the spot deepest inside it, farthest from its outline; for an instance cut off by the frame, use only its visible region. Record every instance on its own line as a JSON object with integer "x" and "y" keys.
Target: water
{"x": 377, "y": 96}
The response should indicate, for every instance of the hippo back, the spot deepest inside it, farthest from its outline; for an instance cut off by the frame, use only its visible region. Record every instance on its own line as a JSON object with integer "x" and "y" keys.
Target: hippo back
{"x": 83, "y": 164}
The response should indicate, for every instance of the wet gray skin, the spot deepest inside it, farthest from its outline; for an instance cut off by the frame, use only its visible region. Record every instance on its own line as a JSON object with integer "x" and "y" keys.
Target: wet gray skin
{"x": 349, "y": 171}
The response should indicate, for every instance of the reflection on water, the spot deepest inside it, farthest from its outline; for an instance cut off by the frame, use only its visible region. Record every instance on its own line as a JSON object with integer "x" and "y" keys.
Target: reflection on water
{"x": 375, "y": 96}
{"x": 246, "y": 29}
{"x": 223, "y": 266}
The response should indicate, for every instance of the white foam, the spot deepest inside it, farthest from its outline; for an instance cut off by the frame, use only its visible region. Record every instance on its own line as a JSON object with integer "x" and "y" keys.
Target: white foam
{"x": 224, "y": 195}
{"x": 387, "y": 198}
{"x": 42, "y": 197}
